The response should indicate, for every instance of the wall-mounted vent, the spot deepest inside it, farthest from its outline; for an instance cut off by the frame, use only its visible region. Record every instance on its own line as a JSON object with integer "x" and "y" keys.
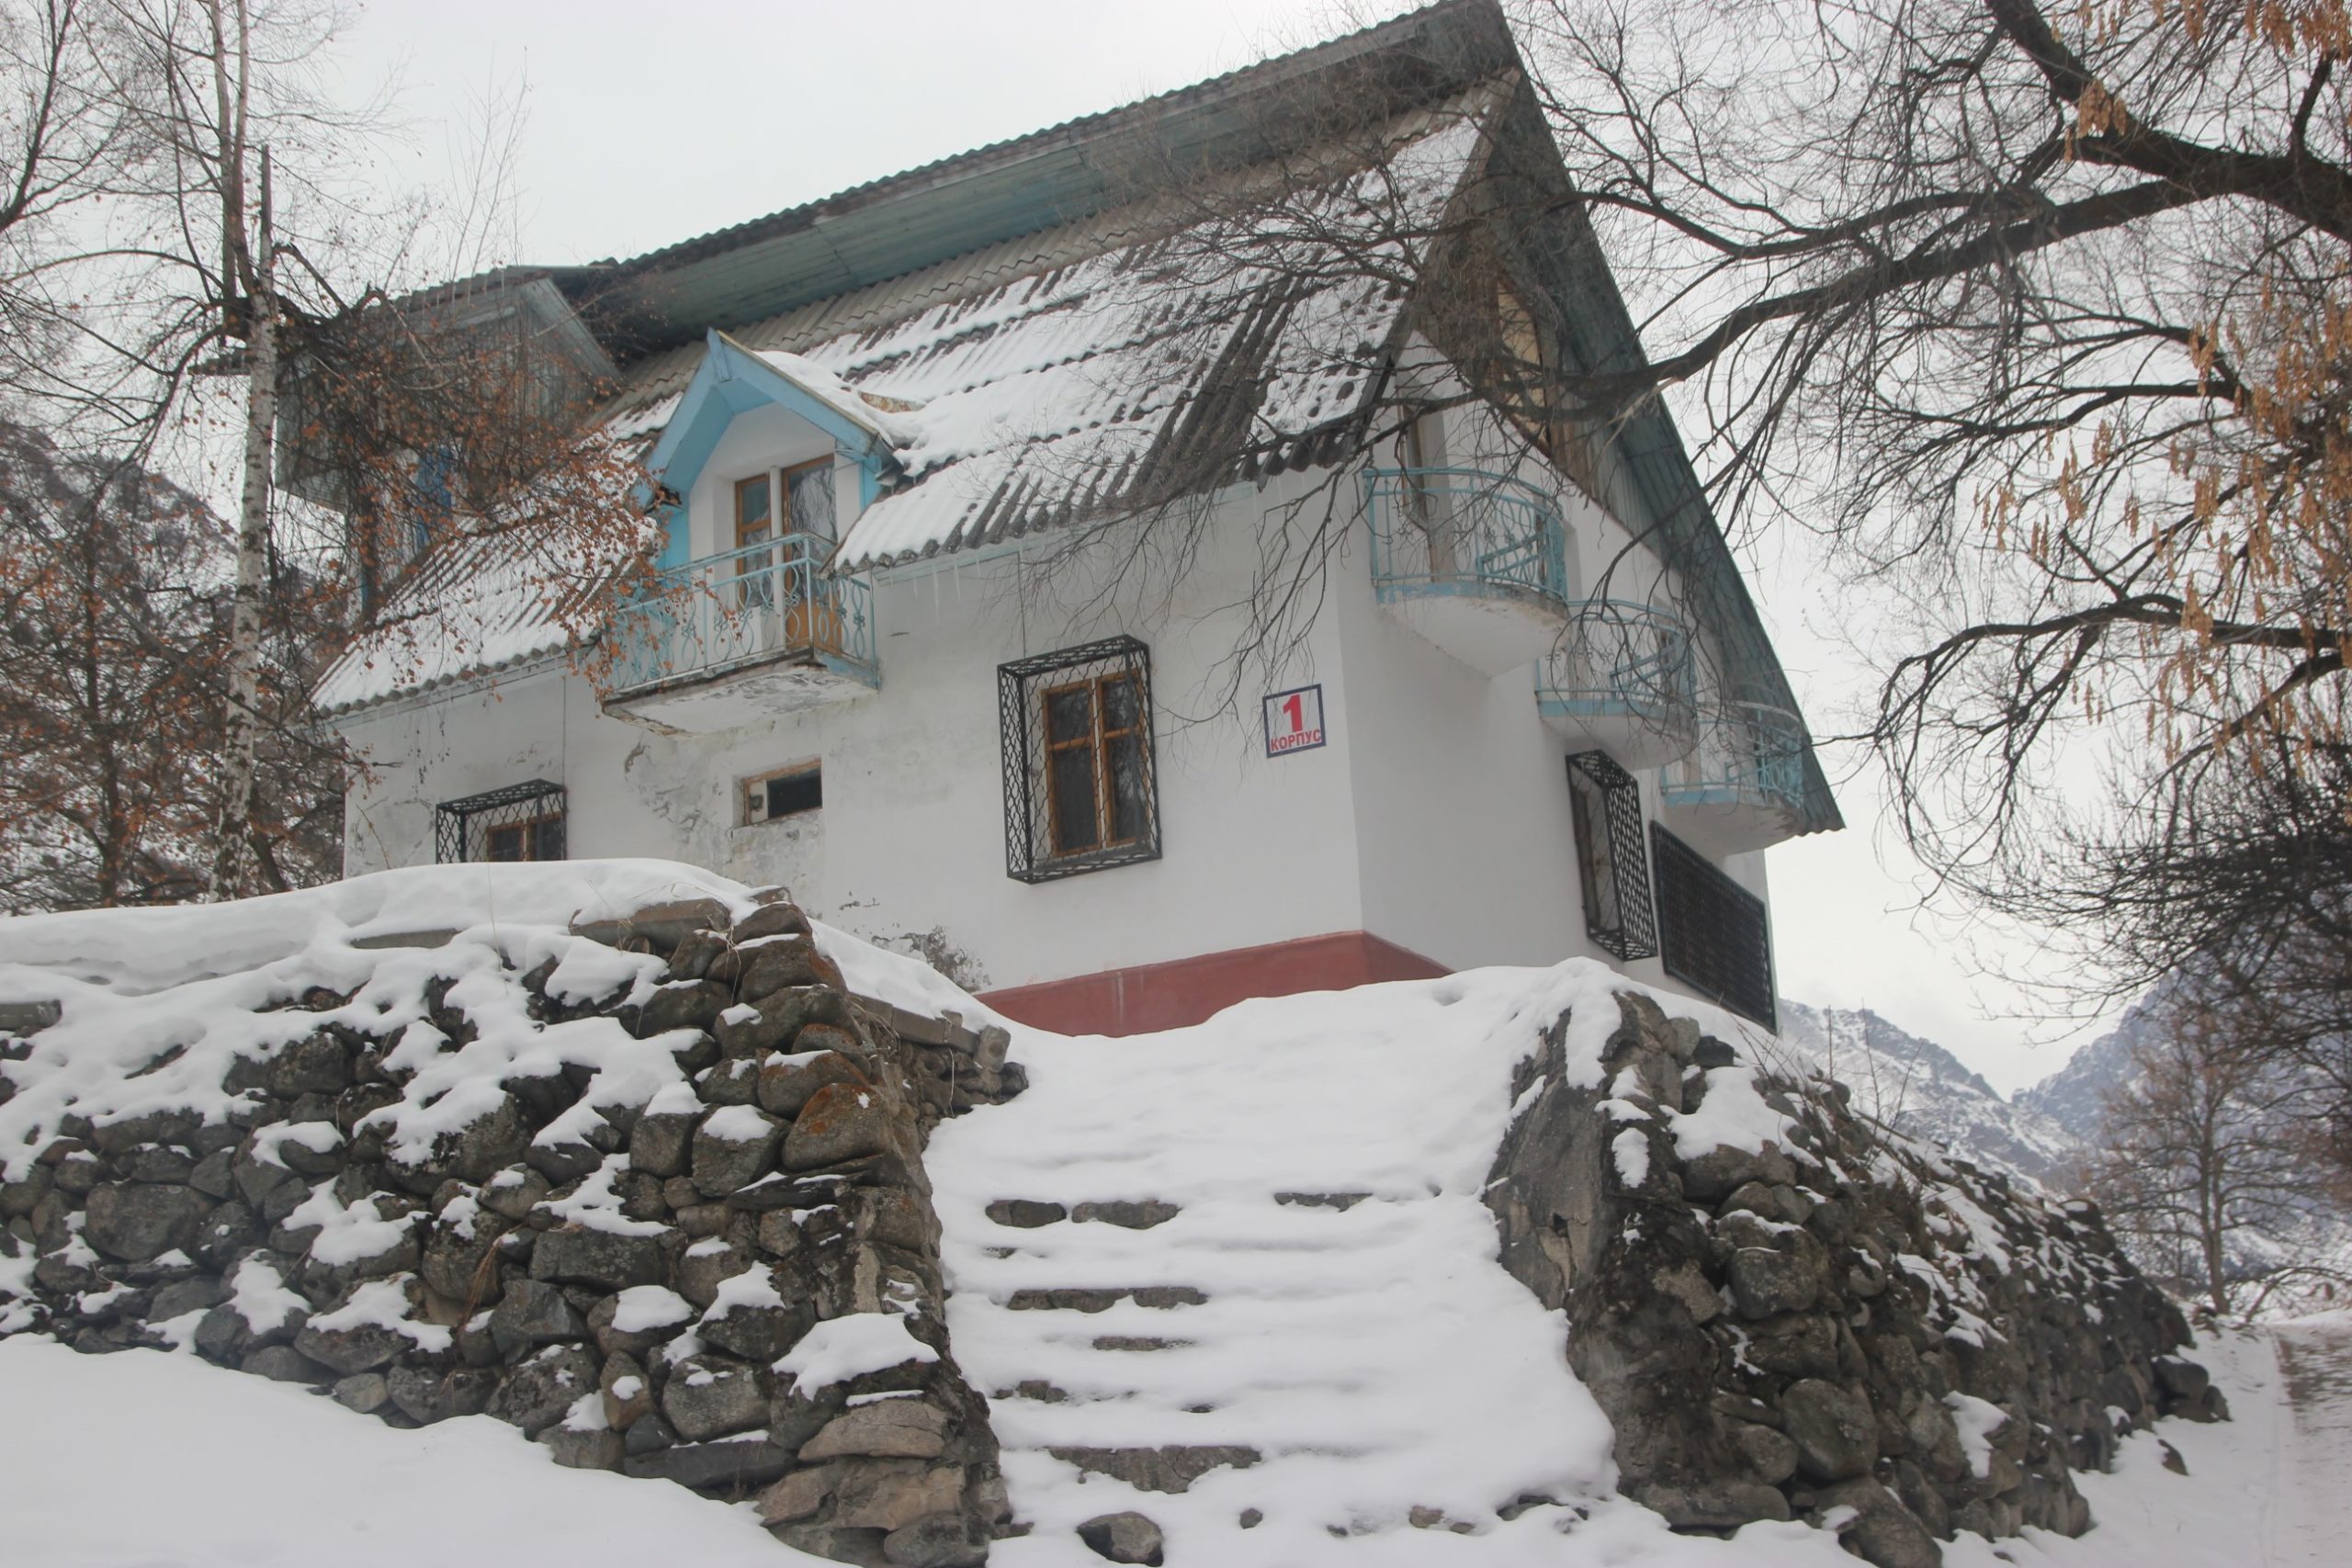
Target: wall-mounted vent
{"x": 789, "y": 793}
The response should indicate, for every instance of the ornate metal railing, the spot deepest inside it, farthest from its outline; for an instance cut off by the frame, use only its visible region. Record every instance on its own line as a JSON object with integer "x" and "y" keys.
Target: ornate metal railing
{"x": 1462, "y": 530}
{"x": 1748, "y": 754}
{"x": 722, "y": 613}
{"x": 1623, "y": 659}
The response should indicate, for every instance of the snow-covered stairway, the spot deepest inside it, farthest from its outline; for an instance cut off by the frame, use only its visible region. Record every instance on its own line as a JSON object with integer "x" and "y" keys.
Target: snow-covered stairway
{"x": 1239, "y": 1278}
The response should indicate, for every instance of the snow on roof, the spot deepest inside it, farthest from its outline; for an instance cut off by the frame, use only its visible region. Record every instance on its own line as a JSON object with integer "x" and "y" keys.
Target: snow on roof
{"x": 1136, "y": 373}
{"x": 865, "y": 411}
{"x": 479, "y": 603}
{"x": 1109, "y": 363}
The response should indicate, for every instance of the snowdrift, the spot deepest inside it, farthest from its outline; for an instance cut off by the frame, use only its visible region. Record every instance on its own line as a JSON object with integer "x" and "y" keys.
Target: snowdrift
{"x": 639, "y": 1162}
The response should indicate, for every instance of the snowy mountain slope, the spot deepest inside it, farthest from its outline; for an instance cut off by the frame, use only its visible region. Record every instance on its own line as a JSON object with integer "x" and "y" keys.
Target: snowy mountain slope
{"x": 2074, "y": 1097}
{"x": 1919, "y": 1087}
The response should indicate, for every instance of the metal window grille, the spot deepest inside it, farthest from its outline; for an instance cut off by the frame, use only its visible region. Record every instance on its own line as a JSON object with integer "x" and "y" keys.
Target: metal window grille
{"x": 1613, "y": 870}
{"x": 524, "y": 821}
{"x": 1715, "y": 937}
{"x": 1080, "y": 787}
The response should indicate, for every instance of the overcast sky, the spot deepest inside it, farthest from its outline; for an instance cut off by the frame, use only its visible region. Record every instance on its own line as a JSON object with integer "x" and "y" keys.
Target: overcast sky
{"x": 649, "y": 124}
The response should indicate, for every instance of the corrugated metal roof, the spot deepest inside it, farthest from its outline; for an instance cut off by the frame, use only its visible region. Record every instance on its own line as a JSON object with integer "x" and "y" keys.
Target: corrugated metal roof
{"x": 476, "y": 606}
{"x": 1044, "y": 180}
{"x": 1057, "y": 376}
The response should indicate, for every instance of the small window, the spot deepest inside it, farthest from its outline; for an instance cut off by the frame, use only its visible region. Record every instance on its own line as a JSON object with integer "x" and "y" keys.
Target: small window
{"x": 809, "y": 499}
{"x": 753, "y": 514}
{"x": 787, "y": 794}
{"x": 1613, "y": 872}
{"x": 520, "y": 822}
{"x": 1714, "y": 935}
{"x": 538, "y": 838}
{"x": 1079, "y": 788}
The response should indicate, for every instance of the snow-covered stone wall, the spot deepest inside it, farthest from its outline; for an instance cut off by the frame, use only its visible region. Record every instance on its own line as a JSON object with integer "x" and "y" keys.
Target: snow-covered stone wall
{"x": 650, "y": 1188}
{"x": 1790, "y": 1311}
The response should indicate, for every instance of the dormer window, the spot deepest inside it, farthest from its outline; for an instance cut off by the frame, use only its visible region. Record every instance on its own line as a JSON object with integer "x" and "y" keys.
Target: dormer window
{"x": 754, "y": 510}
{"x": 797, "y": 499}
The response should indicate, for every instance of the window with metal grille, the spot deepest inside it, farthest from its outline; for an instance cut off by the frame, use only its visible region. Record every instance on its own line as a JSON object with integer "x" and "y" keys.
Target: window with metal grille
{"x": 1611, "y": 870}
{"x": 524, "y": 821}
{"x": 1714, "y": 934}
{"x": 1079, "y": 788}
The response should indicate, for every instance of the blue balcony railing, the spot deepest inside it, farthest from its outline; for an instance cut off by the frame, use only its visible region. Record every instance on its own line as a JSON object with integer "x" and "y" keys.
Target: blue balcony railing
{"x": 1626, "y": 660}
{"x": 763, "y": 604}
{"x": 1438, "y": 531}
{"x": 1750, "y": 754}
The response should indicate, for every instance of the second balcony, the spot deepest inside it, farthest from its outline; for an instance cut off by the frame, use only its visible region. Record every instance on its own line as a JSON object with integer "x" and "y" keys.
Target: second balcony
{"x": 1476, "y": 562}
{"x": 1622, "y": 681}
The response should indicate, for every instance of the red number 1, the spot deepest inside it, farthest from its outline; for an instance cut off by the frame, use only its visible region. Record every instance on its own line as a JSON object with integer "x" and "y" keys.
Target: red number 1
{"x": 1297, "y": 708}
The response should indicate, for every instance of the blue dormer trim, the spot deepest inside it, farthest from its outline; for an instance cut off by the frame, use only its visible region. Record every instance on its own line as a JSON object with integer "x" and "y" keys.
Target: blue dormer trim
{"x": 734, "y": 380}
{"x": 673, "y": 537}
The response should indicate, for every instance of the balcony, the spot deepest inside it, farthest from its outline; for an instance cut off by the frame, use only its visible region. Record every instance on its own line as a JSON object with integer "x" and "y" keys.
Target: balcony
{"x": 1622, "y": 683}
{"x": 1475, "y": 562}
{"x": 747, "y": 635}
{"x": 1743, "y": 787}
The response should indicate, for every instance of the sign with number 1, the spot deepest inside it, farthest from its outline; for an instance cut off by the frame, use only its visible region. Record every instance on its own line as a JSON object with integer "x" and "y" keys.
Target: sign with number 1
{"x": 1294, "y": 721}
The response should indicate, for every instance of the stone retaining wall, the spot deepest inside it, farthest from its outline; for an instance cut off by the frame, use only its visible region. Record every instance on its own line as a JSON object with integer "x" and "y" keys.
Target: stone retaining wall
{"x": 729, "y": 1280}
{"x": 1836, "y": 1318}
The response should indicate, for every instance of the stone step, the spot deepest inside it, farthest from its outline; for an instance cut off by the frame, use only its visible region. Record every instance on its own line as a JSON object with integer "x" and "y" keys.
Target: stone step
{"x": 1032, "y": 1214}
{"x": 1342, "y": 1202}
{"x": 1065, "y": 1299}
{"x": 1170, "y": 1469}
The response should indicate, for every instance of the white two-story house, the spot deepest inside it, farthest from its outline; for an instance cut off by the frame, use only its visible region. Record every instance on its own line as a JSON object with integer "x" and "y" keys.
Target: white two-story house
{"x": 1126, "y": 591}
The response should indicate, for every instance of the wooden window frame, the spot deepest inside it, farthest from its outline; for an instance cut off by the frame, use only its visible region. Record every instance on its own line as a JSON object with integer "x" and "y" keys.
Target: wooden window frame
{"x": 778, "y": 484}
{"x": 527, "y": 829}
{"x": 1036, "y": 847}
{"x": 1098, "y": 742}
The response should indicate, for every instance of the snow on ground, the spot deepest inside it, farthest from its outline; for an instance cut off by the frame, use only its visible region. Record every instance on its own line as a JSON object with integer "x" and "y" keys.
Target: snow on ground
{"x": 144, "y": 1460}
{"x": 1364, "y": 1341}
{"x": 1374, "y": 1354}
{"x": 2265, "y": 1490}
{"x": 156, "y": 1004}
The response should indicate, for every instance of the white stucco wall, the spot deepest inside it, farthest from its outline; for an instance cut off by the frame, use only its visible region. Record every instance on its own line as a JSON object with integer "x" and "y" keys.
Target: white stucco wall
{"x": 1437, "y": 816}
{"x": 911, "y": 834}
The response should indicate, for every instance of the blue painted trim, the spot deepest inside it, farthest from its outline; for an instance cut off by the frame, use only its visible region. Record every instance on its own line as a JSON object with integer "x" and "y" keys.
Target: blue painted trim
{"x": 733, "y": 380}
{"x": 674, "y": 539}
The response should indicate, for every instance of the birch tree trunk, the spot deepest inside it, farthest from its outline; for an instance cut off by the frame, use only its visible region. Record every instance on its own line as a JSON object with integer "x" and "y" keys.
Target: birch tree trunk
{"x": 232, "y": 868}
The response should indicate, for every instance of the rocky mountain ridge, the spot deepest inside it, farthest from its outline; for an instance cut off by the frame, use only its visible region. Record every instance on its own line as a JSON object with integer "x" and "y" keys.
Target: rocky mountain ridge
{"x": 1916, "y": 1085}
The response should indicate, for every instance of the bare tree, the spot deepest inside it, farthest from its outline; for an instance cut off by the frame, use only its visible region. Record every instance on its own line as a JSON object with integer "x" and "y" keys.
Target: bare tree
{"x": 114, "y": 598}
{"x": 2201, "y": 1172}
{"x": 2039, "y": 319}
{"x": 238, "y": 272}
